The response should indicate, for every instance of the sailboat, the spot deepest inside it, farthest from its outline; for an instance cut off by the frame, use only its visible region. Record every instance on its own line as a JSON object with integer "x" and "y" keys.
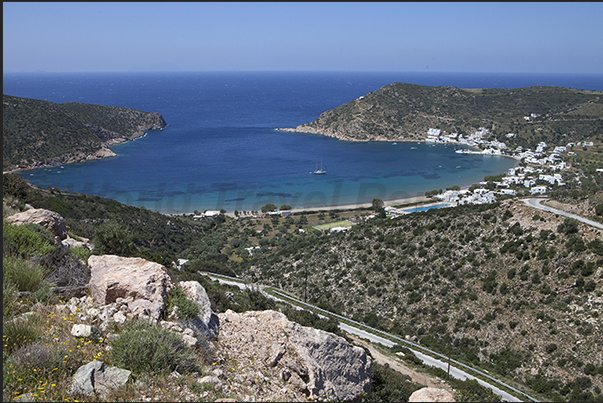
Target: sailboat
{"x": 320, "y": 171}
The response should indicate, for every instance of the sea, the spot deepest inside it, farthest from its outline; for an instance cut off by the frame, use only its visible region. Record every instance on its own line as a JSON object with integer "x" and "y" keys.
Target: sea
{"x": 221, "y": 149}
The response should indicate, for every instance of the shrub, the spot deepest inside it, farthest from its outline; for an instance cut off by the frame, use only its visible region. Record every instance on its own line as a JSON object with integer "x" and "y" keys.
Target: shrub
{"x": 38, "y": 355}
{"x": 146, "y": 348}
{"x": 20, "y": 331}
{"x": 112, "y": 239}
{"x": 64, "y": 269}
{"x": 185, "y": 307}
{"x": 25, "y": 275}
{"x": 26, "y": 240}
{"x": 388, "y": 385}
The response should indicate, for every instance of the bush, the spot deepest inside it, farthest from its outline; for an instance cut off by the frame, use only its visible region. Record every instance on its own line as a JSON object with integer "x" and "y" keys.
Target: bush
{"x": 388, "y": 385}
{"x": 112, "y": 239}
{"x": 20, "y": 331}
{"x": 25, "y": 275}
{"x": 185, "y": 307}
{"x": 149, "y": 349}
{"x": 26, "y": 240}
{"x": 64, "y": 269}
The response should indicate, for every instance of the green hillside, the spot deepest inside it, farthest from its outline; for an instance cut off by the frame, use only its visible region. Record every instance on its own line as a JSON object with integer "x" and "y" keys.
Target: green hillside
{"x": 39, "y": 133}
{"x": 407, "y": 110}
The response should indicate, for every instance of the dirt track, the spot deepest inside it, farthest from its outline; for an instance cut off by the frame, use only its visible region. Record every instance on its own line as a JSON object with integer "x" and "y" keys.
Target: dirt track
{"x": 397, "y": 365}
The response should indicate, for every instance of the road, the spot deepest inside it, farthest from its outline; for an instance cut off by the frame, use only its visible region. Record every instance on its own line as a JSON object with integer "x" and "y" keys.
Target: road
{"x": 535, "y": 202}
{"x": 358, "y": 329}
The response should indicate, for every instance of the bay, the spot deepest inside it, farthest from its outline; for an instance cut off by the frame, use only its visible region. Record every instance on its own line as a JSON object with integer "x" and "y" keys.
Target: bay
{"x": 221, "y": 149}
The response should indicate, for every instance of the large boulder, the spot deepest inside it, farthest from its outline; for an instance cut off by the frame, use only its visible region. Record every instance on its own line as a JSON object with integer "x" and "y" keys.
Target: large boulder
{"x": 96, "y": 378}
{"x": 50, "y": 220}
{"x": 320, "y": 364}
{"x": 113, "y": 277}
{"x": 431, "y": 395}
{"x": 207, "y": 323}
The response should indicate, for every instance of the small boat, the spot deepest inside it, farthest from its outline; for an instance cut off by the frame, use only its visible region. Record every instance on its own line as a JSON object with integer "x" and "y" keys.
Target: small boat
{"x": 320, "y": 171}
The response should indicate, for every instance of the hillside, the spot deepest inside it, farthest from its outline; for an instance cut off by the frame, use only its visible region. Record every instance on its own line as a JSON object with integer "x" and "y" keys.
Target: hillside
{"x": 512, "y": 290}
{"x": 40, "y": 133}
{"x": 402, "y": 111}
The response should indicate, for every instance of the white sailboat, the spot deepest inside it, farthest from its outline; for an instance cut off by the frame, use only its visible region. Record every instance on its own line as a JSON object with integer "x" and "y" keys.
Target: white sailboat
{"x": 320, "y": 171}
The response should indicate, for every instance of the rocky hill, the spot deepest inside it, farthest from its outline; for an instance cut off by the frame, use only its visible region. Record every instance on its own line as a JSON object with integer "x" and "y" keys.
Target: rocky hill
{"x": 402, "y": 111}
{"x": 515, "y": 291}
{"x": 39, "y": 133}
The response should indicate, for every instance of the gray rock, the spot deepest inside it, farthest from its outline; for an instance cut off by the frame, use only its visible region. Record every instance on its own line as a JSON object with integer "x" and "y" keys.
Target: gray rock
{"x": 207, "y": 323}
{"x": 85, "y": 331}
{"x": 50, "y": 220}
{"x": 96, "y": 378}
{"x": 113, "y": 277}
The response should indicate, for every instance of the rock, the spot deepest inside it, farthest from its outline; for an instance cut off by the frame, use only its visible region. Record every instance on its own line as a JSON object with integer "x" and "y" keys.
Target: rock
{"x": 211, "y": 379}
{"x": 206, "y": 323}
{"x": 50, "y": 220}
{"x": 113, "y": 277}
{"x": 96, "y": 378}
{"x": 85, "y": 331}
{"x": 189, "y": 340}
{"x": 25, "y": 397}
{"x": 431, "y": 395}
{"x": 277, "y": 352}
{"x": 318, "y": 363}
{"x": 72, "y": 243}
{"x": 119, "y": 317}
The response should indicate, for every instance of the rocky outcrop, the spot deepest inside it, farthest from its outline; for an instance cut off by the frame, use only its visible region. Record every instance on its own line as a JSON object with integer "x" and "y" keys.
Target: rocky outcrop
{"x": 206, "y": 324}
{"x": 320, "y": 364}
{"x": 50, "y": 220}
{"x": 96, "y": 378}
{"x": 113, "y": 277}
{"x": 431, "y": 395}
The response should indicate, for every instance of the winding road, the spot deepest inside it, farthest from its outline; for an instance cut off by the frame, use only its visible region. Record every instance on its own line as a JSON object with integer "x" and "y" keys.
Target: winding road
{"x": 372, "y": 335}
{"x": 535, "y": 202}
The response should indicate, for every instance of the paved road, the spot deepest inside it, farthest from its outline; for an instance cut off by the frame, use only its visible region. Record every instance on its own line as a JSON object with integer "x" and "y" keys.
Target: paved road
{"x": 535, "y": 202}
{"x": 455, "y": 371}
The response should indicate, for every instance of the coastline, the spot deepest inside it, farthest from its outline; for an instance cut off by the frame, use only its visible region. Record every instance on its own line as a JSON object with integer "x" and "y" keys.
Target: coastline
{"x": 79, "y": 156}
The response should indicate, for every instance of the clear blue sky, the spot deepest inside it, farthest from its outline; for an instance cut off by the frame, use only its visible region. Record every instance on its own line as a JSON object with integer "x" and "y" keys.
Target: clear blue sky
{"x": 366, "y": 36}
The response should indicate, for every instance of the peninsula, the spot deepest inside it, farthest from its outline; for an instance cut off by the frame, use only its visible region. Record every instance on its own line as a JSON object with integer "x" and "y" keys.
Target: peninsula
{"x": 407, "y": 112}
{"x": 39, "y": 134}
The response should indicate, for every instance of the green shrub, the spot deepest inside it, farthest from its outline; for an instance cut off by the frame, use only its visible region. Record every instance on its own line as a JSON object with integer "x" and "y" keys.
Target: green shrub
{"x": 20, "y": 331}
{"x": 388, "y": 385}
{"x": 146, "y": 348}
{"x": 26, "y": 240}
{"x": 81, "y": 252}
{"x": 25, "y": 275}
{"x": 113, "y": 239}
{"x": 177, "y": 299}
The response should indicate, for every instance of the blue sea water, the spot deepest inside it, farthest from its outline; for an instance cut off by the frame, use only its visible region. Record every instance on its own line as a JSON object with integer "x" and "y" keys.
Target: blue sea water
{"x": 221, "y": 149}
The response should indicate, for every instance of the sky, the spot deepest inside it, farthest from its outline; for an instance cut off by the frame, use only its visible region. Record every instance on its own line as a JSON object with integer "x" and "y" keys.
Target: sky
{"x": 507, "y": 37}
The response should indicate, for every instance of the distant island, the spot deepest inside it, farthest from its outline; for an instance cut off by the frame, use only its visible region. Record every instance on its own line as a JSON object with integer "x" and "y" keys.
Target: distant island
{"x": 406, "y": 112}
{"x": 39, "y": 134}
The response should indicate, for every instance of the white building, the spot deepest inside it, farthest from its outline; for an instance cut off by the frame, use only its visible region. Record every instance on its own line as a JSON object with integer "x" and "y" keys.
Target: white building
{"x": 538, "y": 190}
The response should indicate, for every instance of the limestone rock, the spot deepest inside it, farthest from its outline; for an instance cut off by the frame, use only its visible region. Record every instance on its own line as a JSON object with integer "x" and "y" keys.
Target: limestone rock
{"x": 113, "y": 277}
{"x": 320, "y": 364}
{"x": 206, "y": 323}
{"x": 50, "y": 220}
{"x": 96, "y": 378}
{"x": 431, "y": 395}
{"x": 85, "y": 331}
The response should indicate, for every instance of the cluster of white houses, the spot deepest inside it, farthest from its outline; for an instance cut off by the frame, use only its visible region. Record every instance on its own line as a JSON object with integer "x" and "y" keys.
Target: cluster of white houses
{"x": 536, "y": 180}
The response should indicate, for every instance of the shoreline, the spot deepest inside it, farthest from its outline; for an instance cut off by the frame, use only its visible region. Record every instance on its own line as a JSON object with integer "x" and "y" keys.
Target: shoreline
{"x": 103, "y": 152}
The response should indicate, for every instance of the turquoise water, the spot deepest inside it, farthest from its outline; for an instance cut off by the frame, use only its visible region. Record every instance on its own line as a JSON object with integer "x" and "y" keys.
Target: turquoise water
{"x": 220, "y": 149}
{"x": 425, "y": 208}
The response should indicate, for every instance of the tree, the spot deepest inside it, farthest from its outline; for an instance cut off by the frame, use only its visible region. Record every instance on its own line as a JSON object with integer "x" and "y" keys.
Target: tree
{"x": 268, "y": 207}
{"x": 112, "y": 239}
{"x": 377, "y": 204}
{"x": 285, "y": 207}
